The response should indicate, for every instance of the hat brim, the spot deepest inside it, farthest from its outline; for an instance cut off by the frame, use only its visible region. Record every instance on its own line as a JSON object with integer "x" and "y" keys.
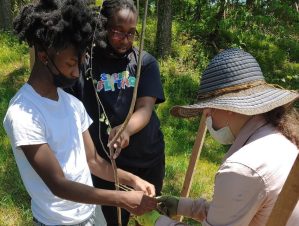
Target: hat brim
{"x": 253, "y": 101}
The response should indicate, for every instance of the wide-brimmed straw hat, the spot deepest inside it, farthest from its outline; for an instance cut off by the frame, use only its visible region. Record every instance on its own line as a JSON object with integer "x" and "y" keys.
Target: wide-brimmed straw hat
{"x": 234, "y": 81}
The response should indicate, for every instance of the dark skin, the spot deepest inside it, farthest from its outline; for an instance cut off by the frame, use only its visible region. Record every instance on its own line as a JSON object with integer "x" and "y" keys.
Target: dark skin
{"x": 44, "y": 162}
{"x": 125, "y": 21}
{"x": 41, "y": 79}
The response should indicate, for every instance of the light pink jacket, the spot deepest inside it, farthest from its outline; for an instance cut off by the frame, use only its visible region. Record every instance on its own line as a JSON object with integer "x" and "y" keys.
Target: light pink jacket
{"x": 247, "y": 183}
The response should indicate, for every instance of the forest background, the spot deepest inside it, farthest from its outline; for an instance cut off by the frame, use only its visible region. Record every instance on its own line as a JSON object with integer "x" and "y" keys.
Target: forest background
{"x": 184, "y": 35}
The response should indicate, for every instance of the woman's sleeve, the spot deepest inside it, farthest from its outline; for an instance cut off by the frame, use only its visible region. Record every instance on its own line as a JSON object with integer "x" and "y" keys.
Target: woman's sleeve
{"x": 193, "y": 208}
{"x": 238, "y": 194}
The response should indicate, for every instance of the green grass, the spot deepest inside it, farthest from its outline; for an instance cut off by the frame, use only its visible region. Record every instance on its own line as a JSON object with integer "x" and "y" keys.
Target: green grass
{"x": 277, "y": 51}
{"x": 179, "y": 135}
{"x": 14, "y": 200}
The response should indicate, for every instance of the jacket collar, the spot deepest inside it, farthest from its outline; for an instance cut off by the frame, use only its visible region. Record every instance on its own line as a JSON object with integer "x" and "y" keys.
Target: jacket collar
{"x": 245, "y": 133}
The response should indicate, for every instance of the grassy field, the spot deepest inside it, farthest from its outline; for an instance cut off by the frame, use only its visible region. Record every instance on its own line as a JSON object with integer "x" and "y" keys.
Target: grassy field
{"x": 179, "y": 135}
{"x": 14, "y": 201}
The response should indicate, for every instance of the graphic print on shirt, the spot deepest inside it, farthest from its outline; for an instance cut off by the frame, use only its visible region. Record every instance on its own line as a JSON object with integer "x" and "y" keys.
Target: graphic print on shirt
{"x": 114, "y": 81}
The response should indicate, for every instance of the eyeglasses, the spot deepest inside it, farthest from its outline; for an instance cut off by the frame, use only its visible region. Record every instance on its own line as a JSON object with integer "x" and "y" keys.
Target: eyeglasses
{"x": 118, "y": 35}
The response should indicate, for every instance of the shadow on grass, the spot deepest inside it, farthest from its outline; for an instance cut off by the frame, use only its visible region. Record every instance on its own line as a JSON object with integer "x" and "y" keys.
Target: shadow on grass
{"x": 12, "y": 190}
{"x": 12, "y": 82}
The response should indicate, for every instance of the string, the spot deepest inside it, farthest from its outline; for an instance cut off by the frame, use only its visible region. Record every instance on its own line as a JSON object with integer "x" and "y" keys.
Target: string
{"x": 99, "y": 102}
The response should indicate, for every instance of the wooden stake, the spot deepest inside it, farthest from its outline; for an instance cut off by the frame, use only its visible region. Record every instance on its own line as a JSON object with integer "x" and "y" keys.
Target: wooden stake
{"x": 196, "y": 150}
{"x": 287, "y": 199}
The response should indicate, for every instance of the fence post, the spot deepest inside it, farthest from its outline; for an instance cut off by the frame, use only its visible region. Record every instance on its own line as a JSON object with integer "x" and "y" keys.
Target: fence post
{"x": 196, "y": 150}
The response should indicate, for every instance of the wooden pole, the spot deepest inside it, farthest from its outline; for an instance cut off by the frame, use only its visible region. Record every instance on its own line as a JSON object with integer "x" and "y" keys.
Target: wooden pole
{"x": 196, "y": 150}
{"x": 287, "y": 199}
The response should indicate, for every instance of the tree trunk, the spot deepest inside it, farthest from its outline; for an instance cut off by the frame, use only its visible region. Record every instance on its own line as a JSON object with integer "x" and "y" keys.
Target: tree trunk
{"x": 5, "y": 15}
{"x": 214, "y": 36}
{"x": 163, "y": 36}
{"x": 197, "y": 12}
{"x": 250, "y": 4}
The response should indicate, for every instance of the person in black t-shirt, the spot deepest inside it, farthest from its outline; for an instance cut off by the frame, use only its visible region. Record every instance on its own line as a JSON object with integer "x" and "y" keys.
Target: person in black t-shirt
{"x": 114, "y": 67}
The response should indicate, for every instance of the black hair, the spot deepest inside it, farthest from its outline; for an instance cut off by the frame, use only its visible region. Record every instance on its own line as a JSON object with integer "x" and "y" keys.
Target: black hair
{"x": 56, "y": 24}
{"x": 110, "y": 7}
{"x": 108, "y": 10}
{"x": 286, "y": 120}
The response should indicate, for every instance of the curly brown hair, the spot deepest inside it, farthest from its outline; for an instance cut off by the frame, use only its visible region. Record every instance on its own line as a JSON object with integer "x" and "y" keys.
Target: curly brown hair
{"x": 286, "y": 120}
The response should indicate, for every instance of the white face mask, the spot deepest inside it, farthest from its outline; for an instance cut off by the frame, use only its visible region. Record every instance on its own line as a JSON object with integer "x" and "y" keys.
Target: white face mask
{"x": 223, "y": 135}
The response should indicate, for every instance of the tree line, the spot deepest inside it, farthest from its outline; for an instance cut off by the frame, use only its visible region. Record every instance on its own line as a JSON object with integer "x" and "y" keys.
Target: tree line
{"x": 214, "y": 24}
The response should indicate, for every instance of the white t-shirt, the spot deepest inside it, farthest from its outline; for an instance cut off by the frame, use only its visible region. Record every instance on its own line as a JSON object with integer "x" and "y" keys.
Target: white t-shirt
{"x": 32, "y": 119}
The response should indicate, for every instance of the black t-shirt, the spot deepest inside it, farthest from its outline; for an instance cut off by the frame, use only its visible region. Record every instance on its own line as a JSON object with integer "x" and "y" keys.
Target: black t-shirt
{"x": 114, "y": 80}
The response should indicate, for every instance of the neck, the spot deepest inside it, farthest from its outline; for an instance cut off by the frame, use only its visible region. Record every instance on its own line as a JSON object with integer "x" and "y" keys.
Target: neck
{"x": 111, "y": 53}
{"x": 239, "y": 121}
{"x": 42, "y": 82}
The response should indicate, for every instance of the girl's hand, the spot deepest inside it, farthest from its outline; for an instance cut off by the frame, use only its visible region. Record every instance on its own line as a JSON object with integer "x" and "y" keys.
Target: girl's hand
{"x": 122, "y": 142}
{"x": 146, "y": 187}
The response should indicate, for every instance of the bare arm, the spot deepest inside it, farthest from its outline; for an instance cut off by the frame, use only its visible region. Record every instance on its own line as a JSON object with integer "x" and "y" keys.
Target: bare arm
{"x": 101, "y": 168}
{"x": 140, "y": 118}
{"x": 47, "y": 167}
{"x": 142, "y": 114}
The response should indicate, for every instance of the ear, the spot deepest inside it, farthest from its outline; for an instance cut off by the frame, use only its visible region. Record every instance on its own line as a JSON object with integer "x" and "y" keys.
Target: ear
{"x": 42, "y": 56}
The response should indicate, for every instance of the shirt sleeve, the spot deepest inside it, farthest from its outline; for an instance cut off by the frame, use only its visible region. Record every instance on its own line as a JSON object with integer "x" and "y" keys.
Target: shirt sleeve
{"x": 193, "y": 208}
{"x": 238, "y": 194}
{"x": 86, "y": 121}
{"x": 24, "y": 126}
{"x": 150, "y": 81}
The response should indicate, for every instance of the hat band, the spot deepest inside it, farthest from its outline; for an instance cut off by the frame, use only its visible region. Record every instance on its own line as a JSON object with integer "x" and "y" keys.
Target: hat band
{"x": 230, "y": 89}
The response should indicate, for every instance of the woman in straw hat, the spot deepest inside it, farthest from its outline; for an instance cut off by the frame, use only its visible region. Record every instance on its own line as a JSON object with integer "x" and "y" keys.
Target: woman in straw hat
{"x": 262, "y": 126}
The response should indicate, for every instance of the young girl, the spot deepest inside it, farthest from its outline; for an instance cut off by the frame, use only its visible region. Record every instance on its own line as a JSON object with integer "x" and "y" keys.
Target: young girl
{"x": 114, "y": 66}
{"x": 48, "y": 128}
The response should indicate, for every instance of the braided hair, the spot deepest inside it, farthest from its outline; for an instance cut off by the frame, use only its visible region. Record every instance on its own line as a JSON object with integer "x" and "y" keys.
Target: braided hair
{"x": 111, "y": 6}
{"x": 109, "y": 9}
{"x": 55, "y": 24}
